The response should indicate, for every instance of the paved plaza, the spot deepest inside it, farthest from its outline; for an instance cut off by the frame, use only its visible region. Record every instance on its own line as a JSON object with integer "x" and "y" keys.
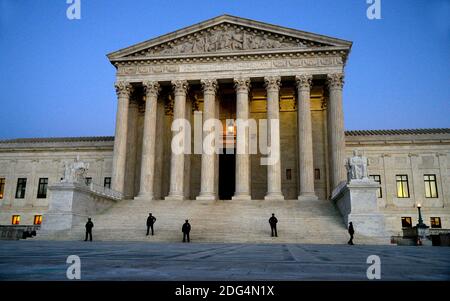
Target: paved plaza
{"x": 45, "y": 260}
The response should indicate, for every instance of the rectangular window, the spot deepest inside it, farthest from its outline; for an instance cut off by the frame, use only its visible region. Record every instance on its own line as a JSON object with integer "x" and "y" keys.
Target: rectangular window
{"x": 288, "y": 174}
{"x": 435, "y": 222}
{"x": 2, "y": 187}
{"x": 430, "y": 186}
{"x": 42, "y": 188}
{"x": 107, "y": 182}
{"x": 317, "y": 174}
{"x": 15, "y": 219}
{"x": 406, "y": 222}
{"x": 38, "y": 219}
{"x": 402, "y": 186}
{"x": 21, "y": 186}
{"x": 377, "y": 178}
{"x": 88, "y": 181}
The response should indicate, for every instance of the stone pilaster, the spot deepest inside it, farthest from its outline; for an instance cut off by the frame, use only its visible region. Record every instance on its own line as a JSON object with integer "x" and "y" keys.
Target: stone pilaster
{"x": 123, "y": 90}
{"x": 305, "y": 144}
{"x": 208, "y": 156}
{"x": 146, "y": 189}
{"x": 444, "y": 179}
{"x": 176, "y": 191}
{"x": 242, "y": 86}
{"x": 273, "y": 84}
{"x": 336, "y": 134}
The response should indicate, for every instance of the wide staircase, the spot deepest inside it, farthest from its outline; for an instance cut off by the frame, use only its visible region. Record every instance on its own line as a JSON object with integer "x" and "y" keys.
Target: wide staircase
{"x": 315, "y": 222}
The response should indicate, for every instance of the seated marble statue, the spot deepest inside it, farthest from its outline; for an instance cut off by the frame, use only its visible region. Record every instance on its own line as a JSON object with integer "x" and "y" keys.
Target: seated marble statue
{"x": 357, "y": 167}
{"x": 75, "y": 171}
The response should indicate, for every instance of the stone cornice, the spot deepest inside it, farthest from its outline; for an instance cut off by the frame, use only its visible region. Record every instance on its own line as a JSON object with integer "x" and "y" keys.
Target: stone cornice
{"x": 291, "y": 65}
{"x": 234, "y": 56}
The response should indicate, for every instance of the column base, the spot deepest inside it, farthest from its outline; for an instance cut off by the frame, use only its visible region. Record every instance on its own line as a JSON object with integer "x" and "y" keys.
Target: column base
{"x": 307, "y": 197}
{"x": 274, "y": 197}
{"x": 241, "y": 197}
{"x": 174, "y": 197}
{"x": 206, "y": 197}
{"x": 148, "y": 197}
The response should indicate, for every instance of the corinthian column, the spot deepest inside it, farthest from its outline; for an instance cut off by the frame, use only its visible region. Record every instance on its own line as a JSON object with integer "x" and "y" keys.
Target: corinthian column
{"x": 123, "y": 90}
{"x": 208, "y": 156}
{"x": 242, "y": 86}
{"x": 305, "y": 147}
{"x": 146, "y": 189}
{"x": 273, "y": 84}
{"x": 336, "y": 135}
{"x": 176, "y": 191}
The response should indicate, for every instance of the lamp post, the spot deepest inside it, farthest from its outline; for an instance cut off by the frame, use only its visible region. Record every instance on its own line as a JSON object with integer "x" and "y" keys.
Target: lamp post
{"x": 420, "y": 224}
{"x": 422, "y": 229}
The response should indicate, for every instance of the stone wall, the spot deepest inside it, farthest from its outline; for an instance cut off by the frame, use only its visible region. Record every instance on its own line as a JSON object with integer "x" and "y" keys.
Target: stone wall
{"x": 34, "y": 160}
{"x": 413, "y": 155}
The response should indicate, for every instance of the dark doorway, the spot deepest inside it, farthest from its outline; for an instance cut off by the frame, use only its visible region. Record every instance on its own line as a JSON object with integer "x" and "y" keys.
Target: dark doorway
{"x": 226, "y": 176}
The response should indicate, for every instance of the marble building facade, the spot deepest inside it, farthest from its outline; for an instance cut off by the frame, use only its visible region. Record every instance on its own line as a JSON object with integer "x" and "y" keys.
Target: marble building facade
{"x": 230, "y": 68}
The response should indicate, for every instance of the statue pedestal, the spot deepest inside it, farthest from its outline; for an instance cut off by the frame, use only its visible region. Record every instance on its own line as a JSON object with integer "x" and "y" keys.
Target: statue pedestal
{"x": 357, "y": 202}
{"x": 71, "y": 204}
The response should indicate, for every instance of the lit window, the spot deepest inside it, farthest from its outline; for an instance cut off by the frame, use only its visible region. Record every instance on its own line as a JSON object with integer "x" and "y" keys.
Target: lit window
{"x": 435, "y": 222}
{"x": 430, "y": 186}
{"x": 21, "y": 186}
{"x": 2, "y": 187}
{"x": 38, "y": 219}
{"x": 406, "y": 222}
{"x": 15, "y": 219}
{"x": 377, "y": 179}
{"x": 42, "y": 188}
{"x": 402, "y": 186}
{"x": 107, "y": 182}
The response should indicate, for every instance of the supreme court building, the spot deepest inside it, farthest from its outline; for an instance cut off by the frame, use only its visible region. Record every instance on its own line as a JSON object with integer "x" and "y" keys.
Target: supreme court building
{"x": 229, "y": 68}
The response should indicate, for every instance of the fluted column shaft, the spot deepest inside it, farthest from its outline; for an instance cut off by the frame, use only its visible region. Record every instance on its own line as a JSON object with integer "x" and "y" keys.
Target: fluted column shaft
{"x": 123, "y": 90}
{"x": 176, "y": 191}
{"x": 242, "y": 86}
{"x": 305, "y": 146}
{"x": 336, "y": 135}
{"x": 146, "y": 189}
{"x": 273, "y": 84}
{"x": 208, "y": 156}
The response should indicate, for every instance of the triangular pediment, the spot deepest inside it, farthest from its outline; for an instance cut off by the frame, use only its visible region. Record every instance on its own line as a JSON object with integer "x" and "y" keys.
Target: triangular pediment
{"x": 227, "y": 34}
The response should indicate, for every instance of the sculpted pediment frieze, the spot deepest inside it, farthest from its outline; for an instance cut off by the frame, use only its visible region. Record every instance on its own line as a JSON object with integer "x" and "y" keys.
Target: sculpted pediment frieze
{"x": 226, "y": 38}
{"x": 225, "y": 35}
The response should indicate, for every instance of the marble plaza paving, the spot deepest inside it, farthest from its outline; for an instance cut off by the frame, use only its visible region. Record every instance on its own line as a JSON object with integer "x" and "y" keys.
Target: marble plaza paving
{"x": 46, "y": 260}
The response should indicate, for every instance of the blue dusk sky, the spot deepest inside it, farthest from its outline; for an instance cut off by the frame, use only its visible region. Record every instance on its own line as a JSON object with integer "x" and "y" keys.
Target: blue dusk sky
{"x": 55, "y": 78}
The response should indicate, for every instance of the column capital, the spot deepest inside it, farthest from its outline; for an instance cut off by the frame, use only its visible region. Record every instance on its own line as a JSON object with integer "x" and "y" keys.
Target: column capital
{"x": 180, "y": 86}
{"x": 242, "y": 84}
{"x": 123, "y": 88}
{"x": 151, "y": 88}
{"x": 335, "y": 80}
{"x": 272, "y": 82}
{"x": 209, "y": 85}
{"x": 303, "y": 81}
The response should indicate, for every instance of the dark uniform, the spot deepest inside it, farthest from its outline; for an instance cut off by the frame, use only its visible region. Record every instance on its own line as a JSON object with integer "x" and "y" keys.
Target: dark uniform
{"x": 186, "y": 229}
{"x": 273, "y": 225}
{"x": 351, "y": 231}
{"x": 150, "y": 221}
{"x": 89, "y": 226}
